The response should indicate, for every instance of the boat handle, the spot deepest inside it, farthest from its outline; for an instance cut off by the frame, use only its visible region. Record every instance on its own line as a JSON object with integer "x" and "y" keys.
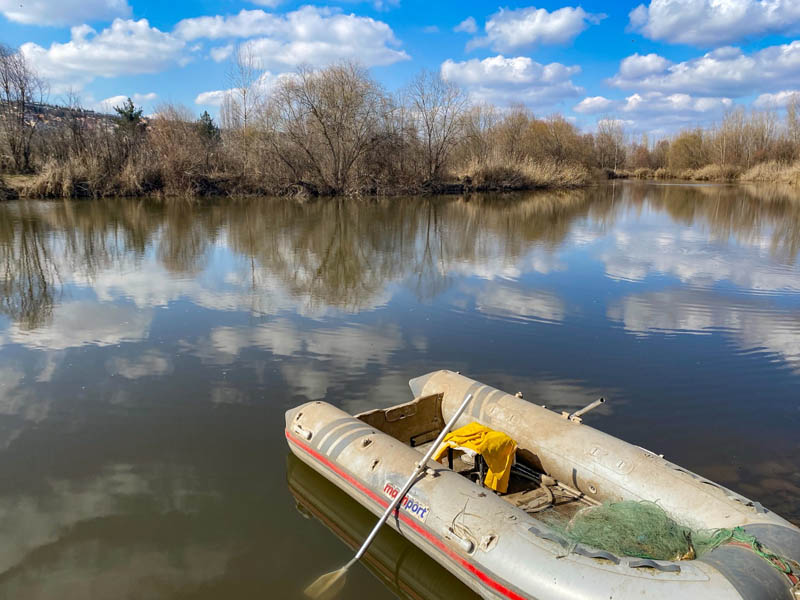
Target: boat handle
{"x": 466, "y": 545}
{"x": 302, "y": 432}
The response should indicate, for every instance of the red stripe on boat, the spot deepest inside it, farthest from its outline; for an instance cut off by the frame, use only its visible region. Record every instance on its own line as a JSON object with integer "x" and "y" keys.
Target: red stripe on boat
{"x": 492, "y": 583}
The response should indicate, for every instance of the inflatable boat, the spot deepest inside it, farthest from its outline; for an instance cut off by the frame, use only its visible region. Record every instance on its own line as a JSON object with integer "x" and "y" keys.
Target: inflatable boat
{"x": 513, "y": 545}
{"x": 397, "y": 563}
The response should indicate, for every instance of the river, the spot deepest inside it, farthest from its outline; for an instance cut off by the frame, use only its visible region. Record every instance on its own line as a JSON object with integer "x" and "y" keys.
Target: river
{"x": 148, "y": 351}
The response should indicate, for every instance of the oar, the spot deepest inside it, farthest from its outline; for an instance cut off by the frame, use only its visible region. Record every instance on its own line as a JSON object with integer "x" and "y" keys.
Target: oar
{"x": 328, "y": 585}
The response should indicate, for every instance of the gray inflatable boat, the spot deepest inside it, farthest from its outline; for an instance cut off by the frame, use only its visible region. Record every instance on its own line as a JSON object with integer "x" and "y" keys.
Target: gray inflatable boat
{"x": 510, "y": 545}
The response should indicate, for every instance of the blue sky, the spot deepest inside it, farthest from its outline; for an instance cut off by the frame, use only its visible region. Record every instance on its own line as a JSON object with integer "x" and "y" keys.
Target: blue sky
{"x": 656, "y": 66}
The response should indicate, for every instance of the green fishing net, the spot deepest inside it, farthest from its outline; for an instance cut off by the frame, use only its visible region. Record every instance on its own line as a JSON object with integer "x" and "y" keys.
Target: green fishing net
{"x": 645, "y": 530}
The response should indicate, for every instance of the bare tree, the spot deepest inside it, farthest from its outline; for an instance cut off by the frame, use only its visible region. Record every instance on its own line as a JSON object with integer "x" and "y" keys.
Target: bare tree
{"x": 479, "y": 120}
{"x": 329, "y": 119}
{"x": 439, "y": 106}
{"x": 610, "y": 143}
{"x": 793, "y": 119}
{"x": 243, "y": 102}
{"x": 21, "y": 90}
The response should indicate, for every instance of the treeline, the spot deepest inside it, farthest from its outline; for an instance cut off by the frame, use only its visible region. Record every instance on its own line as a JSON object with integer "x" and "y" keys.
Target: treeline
{"x": 755, "y": 146}
{"x": 332, "y": 131}
{"x": 335, "y": 131}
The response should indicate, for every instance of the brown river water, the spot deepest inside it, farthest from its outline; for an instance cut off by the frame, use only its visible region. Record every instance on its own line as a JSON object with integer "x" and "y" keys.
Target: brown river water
{"x": 148, "y": 352}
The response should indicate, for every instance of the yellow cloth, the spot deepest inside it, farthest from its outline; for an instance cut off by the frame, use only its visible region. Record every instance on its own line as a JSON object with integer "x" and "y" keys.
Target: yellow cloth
{"x": 496, "y": 448}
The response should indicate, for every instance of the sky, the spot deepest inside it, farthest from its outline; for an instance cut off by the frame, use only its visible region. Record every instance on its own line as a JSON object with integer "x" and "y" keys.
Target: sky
{"x": 656, "y": 66}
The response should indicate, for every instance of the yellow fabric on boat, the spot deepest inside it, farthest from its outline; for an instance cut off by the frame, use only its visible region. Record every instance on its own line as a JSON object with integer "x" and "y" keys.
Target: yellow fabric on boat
{"x": 496, "y": 448}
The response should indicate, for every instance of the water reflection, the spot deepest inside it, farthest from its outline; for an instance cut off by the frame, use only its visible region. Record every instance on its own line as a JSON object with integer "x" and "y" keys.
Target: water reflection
{"x": 147, "y": 352}
{"x": 400, "y": 565}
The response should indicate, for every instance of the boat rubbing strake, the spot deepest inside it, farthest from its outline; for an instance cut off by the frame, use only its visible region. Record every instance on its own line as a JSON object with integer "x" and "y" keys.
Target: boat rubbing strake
{"x": 509, "y": 546}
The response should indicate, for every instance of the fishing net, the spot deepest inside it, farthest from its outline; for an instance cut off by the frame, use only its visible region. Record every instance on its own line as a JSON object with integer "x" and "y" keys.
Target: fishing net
{"x": 645, "y": 530}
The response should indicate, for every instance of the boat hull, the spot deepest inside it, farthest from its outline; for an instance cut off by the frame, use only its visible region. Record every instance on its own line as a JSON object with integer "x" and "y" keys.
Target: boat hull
{"x": 496, "y": 549}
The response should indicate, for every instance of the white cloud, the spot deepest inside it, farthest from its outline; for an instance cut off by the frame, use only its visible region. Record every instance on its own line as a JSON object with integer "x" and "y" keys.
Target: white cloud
{"x": 714, "y": 22}
{"x": 63, "y": 12}
{"x": 310, "y": 35}
{"x": 594, "y": 105}
{"x": 430, "y": 29}
{"x": 266, "y": 82}
{"x": 777, "y": 100}
{"x": 725, "y": 71}
{"x": 468, "y": 25}
{"x": 656, "y": 111}
{"x": 638, "y": 65}
{"x": 517, "y": 79}
{"x": 126, "y": 47}
{"x": 267, "y": 3}
{"x": 512, "y": 29}
{"x": 212, "y": 98}
{"x": 221, "y": 53}
{"x": 108, "y": 104}
{"x": 245, "y": 24}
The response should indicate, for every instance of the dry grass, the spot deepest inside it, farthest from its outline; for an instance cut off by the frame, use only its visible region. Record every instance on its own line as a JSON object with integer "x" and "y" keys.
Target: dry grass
{"x": 7, "y": 192}
{"x": 774, "y": 172}
{"x": 712, "y": 173}
{"x": 502, "y": 174}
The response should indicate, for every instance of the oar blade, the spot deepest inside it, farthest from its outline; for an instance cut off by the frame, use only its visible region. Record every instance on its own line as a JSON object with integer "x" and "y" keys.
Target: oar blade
{"x": 327, "y": 586}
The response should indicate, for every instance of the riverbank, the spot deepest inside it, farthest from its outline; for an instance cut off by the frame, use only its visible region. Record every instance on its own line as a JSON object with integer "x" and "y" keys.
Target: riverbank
{"x": 71, "y": 180}
{"x": 767, "y": 172}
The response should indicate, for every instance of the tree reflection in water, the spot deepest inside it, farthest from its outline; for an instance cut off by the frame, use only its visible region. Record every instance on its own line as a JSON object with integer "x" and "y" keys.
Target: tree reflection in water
{"x": 342, "y": 253}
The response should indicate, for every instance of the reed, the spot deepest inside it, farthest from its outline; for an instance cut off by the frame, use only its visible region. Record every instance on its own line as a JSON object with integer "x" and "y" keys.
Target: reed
{"x": 496, "y": 173}
{"x": 774, "y": 172}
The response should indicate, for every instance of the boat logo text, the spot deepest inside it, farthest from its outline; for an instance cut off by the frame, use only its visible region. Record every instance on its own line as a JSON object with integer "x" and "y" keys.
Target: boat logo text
{"x": 409, "y": 504}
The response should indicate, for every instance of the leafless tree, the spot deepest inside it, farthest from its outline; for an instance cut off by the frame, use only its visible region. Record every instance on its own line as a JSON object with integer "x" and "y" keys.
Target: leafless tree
{"x": 21, "y": 90}
{"x": 439, "y": 107}
{"x": 329, "y": 119}
{"x": 610, "y": 143}
{"x": 243, "y": 103}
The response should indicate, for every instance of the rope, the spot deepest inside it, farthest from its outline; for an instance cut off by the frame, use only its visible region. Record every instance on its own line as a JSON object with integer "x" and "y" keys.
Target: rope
{"x": 741, "y": 537}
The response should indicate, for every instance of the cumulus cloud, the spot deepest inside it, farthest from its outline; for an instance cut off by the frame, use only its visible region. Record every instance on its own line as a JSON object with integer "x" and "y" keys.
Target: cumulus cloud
{"x": 468, "y": 25}
{"x": 108, "y": 104}
{"x": 247, "y": 23}
{"x": 778, "y": 100}
{"x": 512, "y": 29}
{"x": 266, "y": 82}
{"x": 517, "y": 79}
{"x": 221, "y": 53}
{"x": 594, "y": 104}
{"x": 63, "y": 12}
{"x": 310, "y": 35}
{"x": 641, "y": 66}
{"x": 126, "y": 47}
{"x": 714, "y": 22}
{"x": 725, "y": 71}
{"x": 657, "y": 110}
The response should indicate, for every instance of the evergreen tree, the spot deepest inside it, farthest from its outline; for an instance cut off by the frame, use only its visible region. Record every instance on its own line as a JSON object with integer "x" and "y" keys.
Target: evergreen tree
{"x": 128, "y": 115}
{"x": 208, "y": 129}
{"x": 130, "y": 127}
{"x": 209, "y": 134}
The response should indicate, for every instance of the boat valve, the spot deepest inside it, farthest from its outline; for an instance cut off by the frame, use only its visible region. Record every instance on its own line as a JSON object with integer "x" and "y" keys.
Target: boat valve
{"x": 576, "y": 416}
